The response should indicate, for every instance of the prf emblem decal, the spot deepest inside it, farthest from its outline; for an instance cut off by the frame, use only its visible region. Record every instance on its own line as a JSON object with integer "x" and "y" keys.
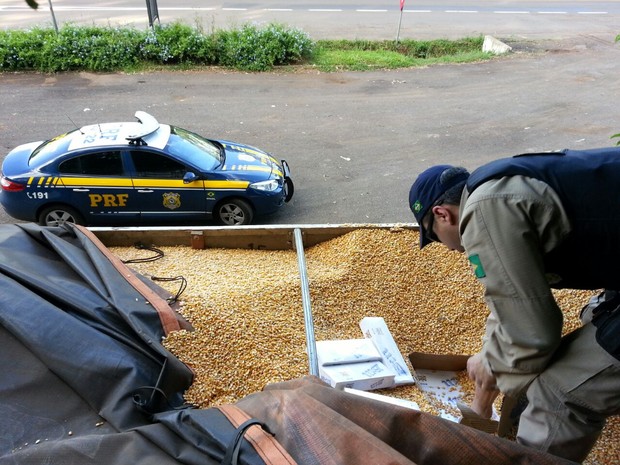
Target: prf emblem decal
{"x": 172, "y": 201}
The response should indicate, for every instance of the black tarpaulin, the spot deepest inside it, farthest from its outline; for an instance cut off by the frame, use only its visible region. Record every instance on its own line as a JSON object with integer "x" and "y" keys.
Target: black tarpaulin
{"x": 83, "y": 369}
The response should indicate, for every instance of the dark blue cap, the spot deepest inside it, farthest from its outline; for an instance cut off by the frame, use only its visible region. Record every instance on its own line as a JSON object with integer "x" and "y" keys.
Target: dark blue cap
{"x": 425, "y": 191}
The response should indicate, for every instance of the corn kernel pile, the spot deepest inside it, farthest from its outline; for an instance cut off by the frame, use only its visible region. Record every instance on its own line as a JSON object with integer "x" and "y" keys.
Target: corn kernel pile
{"x": 246, "y": 308}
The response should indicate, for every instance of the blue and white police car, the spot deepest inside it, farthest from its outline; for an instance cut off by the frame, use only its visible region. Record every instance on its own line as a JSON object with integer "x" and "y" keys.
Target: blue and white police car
{"x": 140, "y": 173}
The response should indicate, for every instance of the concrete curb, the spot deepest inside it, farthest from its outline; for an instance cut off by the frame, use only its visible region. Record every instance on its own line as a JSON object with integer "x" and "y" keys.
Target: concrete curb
{"x": 493, "y": 45}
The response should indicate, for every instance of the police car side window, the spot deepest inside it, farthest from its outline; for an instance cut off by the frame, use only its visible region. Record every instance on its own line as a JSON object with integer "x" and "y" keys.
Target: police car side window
{"x": 94, "y": 164}
{"x": 154, "y": 165}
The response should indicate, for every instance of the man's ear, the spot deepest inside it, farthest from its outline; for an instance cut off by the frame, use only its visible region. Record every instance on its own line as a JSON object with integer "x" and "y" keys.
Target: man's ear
{"x": 446, "y": 213}
{"x": 441, "y": 213}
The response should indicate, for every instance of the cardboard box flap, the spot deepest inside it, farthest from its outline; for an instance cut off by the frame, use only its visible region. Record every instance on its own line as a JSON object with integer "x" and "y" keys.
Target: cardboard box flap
{"x": 375, "y": 328}
{"x": 471, "y": 418}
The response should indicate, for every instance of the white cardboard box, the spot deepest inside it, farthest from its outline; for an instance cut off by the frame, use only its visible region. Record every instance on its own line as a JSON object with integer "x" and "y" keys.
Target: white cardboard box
{"x": 364, "y": 376}
{"x": 436, "y": 376}
{"x": 343, "y": 351}
{"x": 375, "y": 329}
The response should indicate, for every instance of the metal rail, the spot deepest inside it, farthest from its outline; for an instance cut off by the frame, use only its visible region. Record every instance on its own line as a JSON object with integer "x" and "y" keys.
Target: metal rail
{"x": 305, "y": 300}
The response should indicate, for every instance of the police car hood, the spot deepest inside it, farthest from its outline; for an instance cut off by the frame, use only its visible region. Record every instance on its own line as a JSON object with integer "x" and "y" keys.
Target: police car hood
{"x": 250, "y": 161}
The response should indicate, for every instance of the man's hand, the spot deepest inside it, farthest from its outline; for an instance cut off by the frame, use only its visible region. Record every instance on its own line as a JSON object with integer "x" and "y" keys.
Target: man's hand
{"x": 486, "y": 387}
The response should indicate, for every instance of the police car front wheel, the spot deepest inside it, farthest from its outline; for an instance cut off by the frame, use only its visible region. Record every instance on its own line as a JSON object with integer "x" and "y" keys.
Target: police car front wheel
{"x": 234, "y": 212}
{"x": 58, "y": 215}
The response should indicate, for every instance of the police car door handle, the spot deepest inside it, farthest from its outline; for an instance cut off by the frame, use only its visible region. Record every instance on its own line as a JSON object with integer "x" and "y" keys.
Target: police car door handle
{"x": 81, "y": 190}
{"x": 145, "y": 191}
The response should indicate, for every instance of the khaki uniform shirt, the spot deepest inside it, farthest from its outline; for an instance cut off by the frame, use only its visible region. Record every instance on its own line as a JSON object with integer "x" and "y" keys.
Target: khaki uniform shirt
{"x": 506, "y": 225}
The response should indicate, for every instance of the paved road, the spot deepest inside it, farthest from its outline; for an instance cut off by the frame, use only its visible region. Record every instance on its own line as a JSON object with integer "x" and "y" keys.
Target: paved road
{"x": 355, "y": 141}
{"x": 366, "y": 19}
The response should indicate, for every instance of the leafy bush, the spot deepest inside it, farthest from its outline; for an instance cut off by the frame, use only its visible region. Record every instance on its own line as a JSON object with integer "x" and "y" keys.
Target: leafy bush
{"x": 108, "y": 49}
{"x": 255, "y": 49}
{"x": 179, "y": 44}
{"x": 90, "y": 48}
{"x": 21, "y": 50}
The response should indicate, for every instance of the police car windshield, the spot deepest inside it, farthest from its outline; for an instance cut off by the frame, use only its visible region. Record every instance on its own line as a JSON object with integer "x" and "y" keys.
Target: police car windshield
{"x": 196, "y": 150}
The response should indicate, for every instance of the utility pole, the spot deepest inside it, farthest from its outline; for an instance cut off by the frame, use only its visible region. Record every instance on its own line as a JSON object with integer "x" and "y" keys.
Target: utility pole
{"x": 53, "y": 16}
{"x": 153, "y": 12}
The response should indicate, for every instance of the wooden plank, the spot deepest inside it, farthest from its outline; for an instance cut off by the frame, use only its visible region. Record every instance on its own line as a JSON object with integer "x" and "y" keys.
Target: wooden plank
{"x": 277, "y": 237}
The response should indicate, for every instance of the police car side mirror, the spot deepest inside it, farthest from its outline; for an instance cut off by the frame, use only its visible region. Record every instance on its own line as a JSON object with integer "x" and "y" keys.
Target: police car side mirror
{"x": 189, "y": 177}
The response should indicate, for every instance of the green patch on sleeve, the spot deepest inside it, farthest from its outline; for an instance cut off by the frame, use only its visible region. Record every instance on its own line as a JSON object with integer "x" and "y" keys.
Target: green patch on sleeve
{"x": 476, "y": 265}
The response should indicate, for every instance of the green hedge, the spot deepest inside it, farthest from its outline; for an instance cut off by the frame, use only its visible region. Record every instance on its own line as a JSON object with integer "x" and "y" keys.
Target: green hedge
{"x": 250, "y": 48}
{"x": 109, "y": 49}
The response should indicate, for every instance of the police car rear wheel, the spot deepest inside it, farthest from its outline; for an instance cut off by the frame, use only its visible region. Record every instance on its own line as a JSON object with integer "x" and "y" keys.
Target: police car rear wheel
{"x": 234, "y": 212}
{"x": 59, "y": 215}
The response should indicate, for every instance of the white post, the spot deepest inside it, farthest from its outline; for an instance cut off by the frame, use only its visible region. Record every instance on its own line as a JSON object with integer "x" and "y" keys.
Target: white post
{"x": 399, "y": 23}
{"x": 402, "y": 5}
